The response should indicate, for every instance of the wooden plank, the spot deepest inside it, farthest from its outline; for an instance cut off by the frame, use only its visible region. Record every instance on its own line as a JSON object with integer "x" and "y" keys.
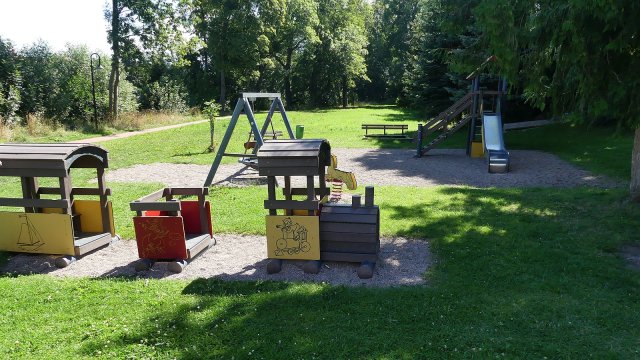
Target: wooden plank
{"x": 34, "y": 164}
{"x": 189, "y": 191}
{"x": 349, "y": 247}
{"x": 287, "y": 153}
{"x": 288, "y": 162}
{"x": 196, "y": 244}
{"x": 298, "y": 171}
{"x": 303, "y": 191}
{"x": 382, "y": 127}
{"x": 349, "y": 228}
{"x": 32, "y": 172}
{"x": 154, "y": 196}
{"x": 349, "y": 218}
{"x": 239, "y": 155}
{"x": 158, "y": 206}
{"x": 290, "y": 145}
{"x": 348, "y": 209}
{"x": 335, "y": 256}
{"x": 74, "y": 191}
{"x": 292, "y": 204}
{"x": 36, "y": 203}
{"x": 348, "y": 237}
{"x": 526, "y": 124}
{"x": 248, "y": 95}
{"x": 89, "y": 242}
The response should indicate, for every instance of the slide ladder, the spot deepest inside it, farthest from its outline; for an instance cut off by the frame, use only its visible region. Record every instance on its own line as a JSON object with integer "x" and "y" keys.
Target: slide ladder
{"x": 447, "y": 122}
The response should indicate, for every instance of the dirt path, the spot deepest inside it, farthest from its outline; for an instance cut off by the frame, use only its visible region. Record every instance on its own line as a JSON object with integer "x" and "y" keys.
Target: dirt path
{"x": 392, "y": 167}
{"x": 239, "y": 257}
{"x": 134, "y": 133}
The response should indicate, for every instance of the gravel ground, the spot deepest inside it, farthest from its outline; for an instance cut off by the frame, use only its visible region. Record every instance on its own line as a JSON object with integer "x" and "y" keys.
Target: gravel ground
{"x": 392, "y": 167}
{"x": 239, "y": 257}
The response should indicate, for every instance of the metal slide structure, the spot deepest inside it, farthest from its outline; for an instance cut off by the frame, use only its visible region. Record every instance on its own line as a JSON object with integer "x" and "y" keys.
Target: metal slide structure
{"x": 496, "y": 154}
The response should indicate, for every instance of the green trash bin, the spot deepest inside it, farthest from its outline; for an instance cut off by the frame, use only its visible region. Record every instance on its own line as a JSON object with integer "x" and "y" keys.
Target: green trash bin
{"x": 299, "y": 131}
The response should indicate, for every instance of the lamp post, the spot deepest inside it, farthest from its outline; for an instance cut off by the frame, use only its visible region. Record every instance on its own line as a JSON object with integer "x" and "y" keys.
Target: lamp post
{"x": 93, "y": 87}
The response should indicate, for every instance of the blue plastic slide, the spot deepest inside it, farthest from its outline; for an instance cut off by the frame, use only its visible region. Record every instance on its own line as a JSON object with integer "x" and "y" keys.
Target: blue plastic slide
{"x": 496, "y": 154}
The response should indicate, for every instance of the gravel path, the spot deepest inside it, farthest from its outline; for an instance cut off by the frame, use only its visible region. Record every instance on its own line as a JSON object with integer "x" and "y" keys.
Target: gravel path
{"x": 393, "y": 167}
{"x": 134, "y": 133}
{"x": 239, "y": 257}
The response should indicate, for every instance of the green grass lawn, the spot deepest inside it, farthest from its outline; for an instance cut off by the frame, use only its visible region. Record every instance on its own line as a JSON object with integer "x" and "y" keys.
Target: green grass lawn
{"x": 599, "y": 150}
{"x": 519, "y": 274}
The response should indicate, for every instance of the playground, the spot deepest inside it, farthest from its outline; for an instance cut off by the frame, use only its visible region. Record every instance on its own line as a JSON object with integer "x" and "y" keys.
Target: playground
{"x": 456, "y": 243}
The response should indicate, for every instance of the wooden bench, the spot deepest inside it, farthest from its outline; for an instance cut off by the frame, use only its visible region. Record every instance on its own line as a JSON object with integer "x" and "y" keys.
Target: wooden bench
{"x": 384, "y": 127}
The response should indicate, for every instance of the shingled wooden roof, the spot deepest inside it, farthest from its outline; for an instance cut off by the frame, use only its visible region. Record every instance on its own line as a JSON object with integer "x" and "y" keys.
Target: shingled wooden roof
{"x": 293, "y": 157}
{"x": 49, "y": 159}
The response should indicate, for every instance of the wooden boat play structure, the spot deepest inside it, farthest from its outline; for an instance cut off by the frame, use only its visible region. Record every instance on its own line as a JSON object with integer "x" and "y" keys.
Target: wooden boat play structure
{"x": 66, "y": 226}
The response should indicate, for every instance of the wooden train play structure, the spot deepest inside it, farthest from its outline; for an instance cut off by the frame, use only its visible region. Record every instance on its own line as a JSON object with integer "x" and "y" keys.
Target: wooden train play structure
{"x": 65, "y": 226}
{"x": 482, "y": 110}
{"x": 305, "y": 225}
{"x": 174, "y": 230}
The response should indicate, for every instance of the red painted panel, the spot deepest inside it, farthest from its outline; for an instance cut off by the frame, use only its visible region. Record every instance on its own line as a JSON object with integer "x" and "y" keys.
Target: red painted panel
{"x": 160, "y": 237}
{"x": 191, "y": 215}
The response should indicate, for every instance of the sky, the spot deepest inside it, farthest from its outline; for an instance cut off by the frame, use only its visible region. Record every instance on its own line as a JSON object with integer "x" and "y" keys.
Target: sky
{"x": 57, "y": 22}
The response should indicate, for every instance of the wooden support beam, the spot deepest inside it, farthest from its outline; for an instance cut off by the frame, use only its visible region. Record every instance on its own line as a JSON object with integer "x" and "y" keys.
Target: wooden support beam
{"x": 271, "y": 203}
{"x": 104, "y": 201}
{"x": 65, "y": 193}
{"x": 35, "y": 203}
{"x": 158, "y": 206}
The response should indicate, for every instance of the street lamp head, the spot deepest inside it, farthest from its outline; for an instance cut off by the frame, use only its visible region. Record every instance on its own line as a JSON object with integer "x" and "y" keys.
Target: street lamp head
{"x": 97, "y": 57}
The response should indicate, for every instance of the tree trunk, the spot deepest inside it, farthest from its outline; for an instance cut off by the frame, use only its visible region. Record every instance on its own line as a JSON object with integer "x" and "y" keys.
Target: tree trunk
{"x": 114, "y": 78}
{"x": 223, "y": 92}
{"x": 288, "y": 94}
{"x": 345, "y": 91}
{"x": 635, "y": 168}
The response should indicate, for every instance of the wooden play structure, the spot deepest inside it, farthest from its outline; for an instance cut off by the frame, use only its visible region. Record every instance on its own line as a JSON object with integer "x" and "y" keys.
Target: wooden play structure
{"x": 173, "y": 230}
{"x": 482, "y": 110}
{"x": 64, "y": 226}
{"x": 257, "y": 134}
{"x": 303, "y": 225}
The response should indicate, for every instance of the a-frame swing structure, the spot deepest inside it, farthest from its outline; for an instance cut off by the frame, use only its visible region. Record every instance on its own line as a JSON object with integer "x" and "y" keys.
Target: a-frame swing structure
{"x": 244, "y": 107}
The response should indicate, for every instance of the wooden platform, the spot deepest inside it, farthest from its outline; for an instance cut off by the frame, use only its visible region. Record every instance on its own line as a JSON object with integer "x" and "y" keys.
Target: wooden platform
{"x": 87, "y": 242}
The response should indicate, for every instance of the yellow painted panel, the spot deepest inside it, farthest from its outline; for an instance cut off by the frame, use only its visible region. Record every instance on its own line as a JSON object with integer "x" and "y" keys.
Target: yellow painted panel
{"x": 36, "y": 233}
{"x": 90, "y": 216}
{"x": 477, "y": 149}
{"x": 293, "y": 237}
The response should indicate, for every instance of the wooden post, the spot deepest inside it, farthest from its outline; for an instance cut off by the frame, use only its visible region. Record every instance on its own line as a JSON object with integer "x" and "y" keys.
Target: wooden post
{"x": 65, "y": 193}
{"x": 323, "y": 182}
{"x": 27, "y": 192}
{"x": 368, "y": 196}
{"x": 204, "y": 222}
{"x": 287, "y": 193}
{"x": 104, "y": 201}
{"x": 355, "y": 201}
{"x": 311, "y": 192}
{"x": 271, "y": 188}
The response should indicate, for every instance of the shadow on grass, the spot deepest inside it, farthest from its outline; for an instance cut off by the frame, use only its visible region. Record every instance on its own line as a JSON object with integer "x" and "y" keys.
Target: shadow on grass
{"x": 520, "y": 272}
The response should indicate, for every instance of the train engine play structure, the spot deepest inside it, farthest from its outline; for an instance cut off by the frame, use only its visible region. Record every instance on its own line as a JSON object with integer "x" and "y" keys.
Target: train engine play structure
{"x": 65, "y": 226}
{"x": 305, "y": 225}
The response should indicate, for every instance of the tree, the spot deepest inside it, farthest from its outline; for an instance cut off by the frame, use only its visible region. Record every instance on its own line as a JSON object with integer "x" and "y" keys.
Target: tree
{"x": 580, "y": 56}
{"x": 289, "y": 26}
{"x": 140, "y": 30}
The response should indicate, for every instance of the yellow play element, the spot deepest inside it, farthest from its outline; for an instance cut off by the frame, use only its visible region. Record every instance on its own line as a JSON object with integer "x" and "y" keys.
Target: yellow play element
{"x": 477, "y": 149}
{"x": 348, "y": 178}
{"x": 293, "y": 237}
{"x": 36, "y": 233}
{"x": 91, "y": 216}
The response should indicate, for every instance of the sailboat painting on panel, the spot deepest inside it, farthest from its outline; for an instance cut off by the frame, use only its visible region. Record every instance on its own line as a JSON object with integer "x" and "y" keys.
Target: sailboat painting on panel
{"x": 36, "y": 233}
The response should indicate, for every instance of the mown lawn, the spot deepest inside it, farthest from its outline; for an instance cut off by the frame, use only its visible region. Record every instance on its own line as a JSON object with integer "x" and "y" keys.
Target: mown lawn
{"x": 519, "y": 274}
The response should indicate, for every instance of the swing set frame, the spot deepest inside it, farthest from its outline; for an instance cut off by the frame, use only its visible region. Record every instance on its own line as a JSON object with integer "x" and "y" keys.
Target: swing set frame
{"x": 243, "y": 106}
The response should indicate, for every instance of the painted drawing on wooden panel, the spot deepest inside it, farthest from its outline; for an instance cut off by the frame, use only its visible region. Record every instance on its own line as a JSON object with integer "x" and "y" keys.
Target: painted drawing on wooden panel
{"x": 293, "y": 237}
